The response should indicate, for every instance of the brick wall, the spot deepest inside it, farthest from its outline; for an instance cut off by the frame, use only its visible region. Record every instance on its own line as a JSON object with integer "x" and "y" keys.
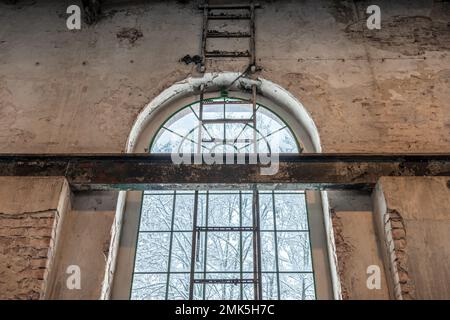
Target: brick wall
{"x": 31, "y": 211}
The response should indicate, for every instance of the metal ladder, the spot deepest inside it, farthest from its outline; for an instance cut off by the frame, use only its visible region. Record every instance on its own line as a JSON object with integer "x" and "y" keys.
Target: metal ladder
{"x": 255, "y": 228}
{"x": 256, "y": 239}
{"x": 216, "y": 12}
{"x": 249, "y": 121}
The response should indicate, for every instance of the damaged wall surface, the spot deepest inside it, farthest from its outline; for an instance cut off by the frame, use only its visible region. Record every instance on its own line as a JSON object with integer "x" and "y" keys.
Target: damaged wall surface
{"x": 31, "y": 213}
{"x": 413, "y": 219}
{"x": 80, "y": 91}
{"x": 357, "y": 245}
{"x": 85, "y": 243}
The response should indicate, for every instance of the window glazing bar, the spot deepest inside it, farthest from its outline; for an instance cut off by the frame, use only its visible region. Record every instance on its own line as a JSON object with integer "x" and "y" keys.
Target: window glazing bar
{"x": 275, "y": 235}
{"x": 206, "y": 244}
{"x": 194, "y": 246}
{"x": 240, "y": 247}
{"x": 170, "y": 244}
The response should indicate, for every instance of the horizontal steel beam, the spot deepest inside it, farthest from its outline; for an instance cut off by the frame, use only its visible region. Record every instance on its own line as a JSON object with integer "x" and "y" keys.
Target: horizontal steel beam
{"x": 229, "y": 6}
{"x": 157, "y": 171}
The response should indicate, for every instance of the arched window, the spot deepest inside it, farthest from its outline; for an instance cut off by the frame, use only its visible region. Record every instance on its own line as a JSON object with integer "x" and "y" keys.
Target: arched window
{"x": 235, "y": 229}
{"x": 224, "y": 125}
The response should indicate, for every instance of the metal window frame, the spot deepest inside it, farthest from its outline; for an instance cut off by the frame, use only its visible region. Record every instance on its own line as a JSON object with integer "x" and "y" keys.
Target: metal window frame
{"x": 257, "y": 272}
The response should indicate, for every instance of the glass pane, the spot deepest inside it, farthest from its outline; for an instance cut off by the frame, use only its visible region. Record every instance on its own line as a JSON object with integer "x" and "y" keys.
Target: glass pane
{"x": 239, "y": 110}
{"x": 267, "y": 122}
{"x": 184, "y": 210}
{"x": 239, "y": 134}
{"x": 223, "y": 251}
{"x": 297, "y": 286}
{"x": 189, "y": 142}
{"x": 294, "y": 251}
{"x": 185, "y": 121}
{"x": 266, "y": 211}
{"x": 213, "y": 132}
{"x": 221, "y": 291}
{"x": 269, "y": 286}
{"x": 213, "y": 110}
{"x": 282, "y": 142}
{"x": 156, "y": 212}
{"x": 248, "y": 292}
{"x": 247, "y": 215}
{"x": 268, "y": 251}
{"x": 291, "y": 212}
{"x": 247, "y": 251}
{"x": 149, "y": 287}
{"x": 223, "y": 210}
{"x": 181, "y": 252}
{"x": 166, "y": 142}
{"x": 152, "y": 254}
{"x": 179, "y": 287}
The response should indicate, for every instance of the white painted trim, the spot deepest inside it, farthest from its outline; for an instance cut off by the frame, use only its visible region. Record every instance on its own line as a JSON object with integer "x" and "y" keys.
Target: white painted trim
{"x": 214, "y": 82}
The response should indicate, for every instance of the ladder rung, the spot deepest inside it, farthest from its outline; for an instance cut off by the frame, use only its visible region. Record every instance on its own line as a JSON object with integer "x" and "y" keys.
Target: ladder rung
{"x": 226, "y": 229}
{"x": 227, "y": 54}
{"x": 227, "y": 34}
{"x": 246, "y": 102}
{"x": 230, "y": 281}
{"x": 228, "y": 17}
{"x": 225, "y": 141}
{"x": 245, "y": 121}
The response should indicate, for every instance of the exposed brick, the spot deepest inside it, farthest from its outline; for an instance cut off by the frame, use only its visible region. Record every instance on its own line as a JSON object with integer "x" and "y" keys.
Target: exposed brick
{"x": 343, "y": 249}
{"x": 398, "y": 234}
{"x": 25, "y": 241}
{"x": 396, "y": 245}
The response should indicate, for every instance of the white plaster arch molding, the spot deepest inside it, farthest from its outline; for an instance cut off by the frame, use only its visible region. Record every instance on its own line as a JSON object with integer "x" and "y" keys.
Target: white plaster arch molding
{"x": 214, "y": 82}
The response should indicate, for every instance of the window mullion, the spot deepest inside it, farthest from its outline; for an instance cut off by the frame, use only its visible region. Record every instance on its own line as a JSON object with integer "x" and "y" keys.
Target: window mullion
{"x": 240, "y": 245}
{"x": 170, "y": 243}
{"x": 194, "y": 246}
{"x": 256, "y": 246}
{"x": 206, "y": 243}
{"x": 275, "y": 235}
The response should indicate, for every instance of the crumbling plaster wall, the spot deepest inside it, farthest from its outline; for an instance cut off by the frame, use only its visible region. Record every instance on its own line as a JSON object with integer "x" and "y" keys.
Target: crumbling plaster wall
{"x": 367, "y": 91}
{"x": 85, "y": 243}
{"x": 357, "y": 246}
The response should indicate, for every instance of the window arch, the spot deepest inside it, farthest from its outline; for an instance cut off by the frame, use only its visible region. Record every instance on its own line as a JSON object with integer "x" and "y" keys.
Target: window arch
{"x": 224, "y": 125}
{"x": 223, "y": 244}
{"x": 273, "y": 98}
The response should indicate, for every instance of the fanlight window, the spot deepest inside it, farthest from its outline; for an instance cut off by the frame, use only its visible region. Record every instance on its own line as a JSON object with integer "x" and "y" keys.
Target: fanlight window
{"x": 232, "y": 257}
{"x": 225, "y": 125}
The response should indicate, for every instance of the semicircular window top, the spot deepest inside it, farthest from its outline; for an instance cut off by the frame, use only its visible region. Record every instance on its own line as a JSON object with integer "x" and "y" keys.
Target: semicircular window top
{"x": 229, "y": 244}
{"x": 225, "y": 125}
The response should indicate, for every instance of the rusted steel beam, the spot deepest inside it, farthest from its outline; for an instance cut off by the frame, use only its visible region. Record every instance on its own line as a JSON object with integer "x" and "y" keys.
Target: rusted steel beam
{"x": 228, "y": 6}
{"x": 144, "y": 171}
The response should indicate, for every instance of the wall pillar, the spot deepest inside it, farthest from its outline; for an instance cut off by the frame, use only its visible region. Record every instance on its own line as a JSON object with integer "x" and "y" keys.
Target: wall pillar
{"x": 413, "y": 223}
{"x": 357, "y": 248}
